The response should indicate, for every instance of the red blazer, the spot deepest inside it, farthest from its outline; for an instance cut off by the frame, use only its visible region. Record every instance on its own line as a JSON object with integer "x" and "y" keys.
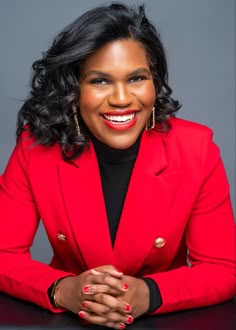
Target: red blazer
{"x": 177, "y": 203}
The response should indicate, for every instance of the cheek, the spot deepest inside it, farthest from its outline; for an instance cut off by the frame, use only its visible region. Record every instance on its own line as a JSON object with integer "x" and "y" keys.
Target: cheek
{"x": 147, "y": 95}
{"x": 90, "y": 101}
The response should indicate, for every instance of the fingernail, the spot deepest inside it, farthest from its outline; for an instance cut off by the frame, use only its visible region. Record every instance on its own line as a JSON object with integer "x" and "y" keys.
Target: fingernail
{"x": 127, "y": 308}
{"x": 122, "y": 326}
{"x": 83, "y": 304}
{"x": 125, "y": 286}
{"x": 129, "y": 319}
{"x": 119, "y": 271}
{"x": 86, "y": 288}
{"x": 81, "y": 314}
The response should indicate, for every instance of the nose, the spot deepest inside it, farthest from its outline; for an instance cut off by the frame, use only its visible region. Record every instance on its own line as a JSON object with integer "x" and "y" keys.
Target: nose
{"x": 120, "y": 96}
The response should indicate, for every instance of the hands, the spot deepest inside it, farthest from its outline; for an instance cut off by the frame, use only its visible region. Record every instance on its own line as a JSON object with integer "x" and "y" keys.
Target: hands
{"x": 104, "y": 296}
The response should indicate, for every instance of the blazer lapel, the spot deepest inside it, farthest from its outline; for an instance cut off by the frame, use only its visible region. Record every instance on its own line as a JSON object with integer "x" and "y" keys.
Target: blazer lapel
{"x": 148, "y": 199}
{"x": 144, "y": 217}
{"x": 83, "y": 197}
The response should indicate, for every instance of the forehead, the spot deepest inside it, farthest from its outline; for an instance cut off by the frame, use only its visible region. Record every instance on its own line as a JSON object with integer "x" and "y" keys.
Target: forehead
{"x": 121, "y": 55}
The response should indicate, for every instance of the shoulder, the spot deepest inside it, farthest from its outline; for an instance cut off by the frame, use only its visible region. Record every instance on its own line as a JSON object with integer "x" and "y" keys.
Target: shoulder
{"x": 188, "y": 135}
{"x": 184, "y": 128}
{"x": 191, "y": 141}
{"x": 28, "y": 148}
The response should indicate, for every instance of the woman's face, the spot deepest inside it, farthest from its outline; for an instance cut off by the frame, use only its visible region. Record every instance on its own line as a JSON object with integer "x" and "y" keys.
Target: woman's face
{"x": 117, "y": 93}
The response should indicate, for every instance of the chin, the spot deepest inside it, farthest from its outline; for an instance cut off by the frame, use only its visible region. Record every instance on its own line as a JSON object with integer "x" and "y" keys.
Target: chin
{"x": 122, "y": 143}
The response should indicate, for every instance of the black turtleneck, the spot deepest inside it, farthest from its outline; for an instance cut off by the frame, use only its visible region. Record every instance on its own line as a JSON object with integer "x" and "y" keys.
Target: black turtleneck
{"x": 115, "y": 170}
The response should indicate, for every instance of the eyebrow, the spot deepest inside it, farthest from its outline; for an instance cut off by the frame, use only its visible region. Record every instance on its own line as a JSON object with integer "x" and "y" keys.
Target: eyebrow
{"x": 104, "y": 74}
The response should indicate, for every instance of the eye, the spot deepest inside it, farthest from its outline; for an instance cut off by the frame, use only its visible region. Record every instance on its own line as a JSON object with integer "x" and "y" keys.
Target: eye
{"x": 137, "y": 79}
{"x": 99, "y": 81}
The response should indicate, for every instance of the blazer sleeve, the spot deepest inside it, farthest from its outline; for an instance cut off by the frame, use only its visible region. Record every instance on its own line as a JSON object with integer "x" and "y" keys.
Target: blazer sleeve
{"x": 20, "y": 276}
{"x": 211, "y": 242}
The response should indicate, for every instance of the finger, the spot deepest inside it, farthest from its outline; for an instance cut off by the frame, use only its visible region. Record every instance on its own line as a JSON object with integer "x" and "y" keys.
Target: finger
{"x": 124, "y": 307}
{"x": 94, "y": 307}
{"x": 112, "y": 272}
{"x": 119, "y": 305}
{"x": 99, "y": 288}
{"x": 112, "y": 316}
{"x": 117, "y": 317}
{"x": 105, "y": 278}
{"x": 108, "y": 300}
{"x": 100, "y": 309}
{"x": 112, "y": 302}
{"x": 109, "y": 269}
{"x": 101, "y": 320}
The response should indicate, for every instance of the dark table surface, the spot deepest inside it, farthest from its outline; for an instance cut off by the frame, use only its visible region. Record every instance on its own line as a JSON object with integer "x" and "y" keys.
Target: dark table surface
{"x": 16, "y": 314}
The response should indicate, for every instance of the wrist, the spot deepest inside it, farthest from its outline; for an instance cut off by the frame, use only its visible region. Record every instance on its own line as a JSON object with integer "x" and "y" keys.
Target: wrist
{"x": 55, "y": 293}
{"x": 155, "y": 299}
{"x": 52, "y": 292}
{"x": 144, "y": 296}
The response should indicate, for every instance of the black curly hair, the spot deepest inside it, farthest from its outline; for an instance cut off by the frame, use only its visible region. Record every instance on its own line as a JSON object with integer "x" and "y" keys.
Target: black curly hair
{"x": 47, "y": 112}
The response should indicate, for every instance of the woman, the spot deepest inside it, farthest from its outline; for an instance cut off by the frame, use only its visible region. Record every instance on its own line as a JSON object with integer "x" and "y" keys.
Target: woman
{"x": 135, "y": 202}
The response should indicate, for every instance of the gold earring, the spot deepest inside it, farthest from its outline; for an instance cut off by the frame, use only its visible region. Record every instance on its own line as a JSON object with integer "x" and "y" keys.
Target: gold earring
{"x": 74, "y": 109}
{"x": 151, "y": 121}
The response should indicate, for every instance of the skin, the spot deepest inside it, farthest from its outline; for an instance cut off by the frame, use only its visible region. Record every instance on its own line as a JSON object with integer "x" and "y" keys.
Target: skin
{"x": 107, "y": 302}
{"x": 115, "y": 78}
{"x": 123, "y": 81}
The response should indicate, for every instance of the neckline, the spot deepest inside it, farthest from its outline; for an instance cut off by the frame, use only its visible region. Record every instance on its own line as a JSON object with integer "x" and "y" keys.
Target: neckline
{"x": 112, "y": 155}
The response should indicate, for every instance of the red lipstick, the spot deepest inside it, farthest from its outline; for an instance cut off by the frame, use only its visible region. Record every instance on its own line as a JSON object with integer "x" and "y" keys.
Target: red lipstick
{"x": 119, "y": 125}
{"x": 120, "y": 112}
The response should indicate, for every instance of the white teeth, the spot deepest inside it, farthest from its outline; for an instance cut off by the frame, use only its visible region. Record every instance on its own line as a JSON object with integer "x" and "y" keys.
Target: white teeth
{"x": 120, "y": 119}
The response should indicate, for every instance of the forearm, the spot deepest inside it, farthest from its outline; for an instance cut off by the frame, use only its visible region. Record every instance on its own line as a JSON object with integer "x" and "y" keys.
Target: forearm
{"x": 192, "y": 287}
{"x": 27, "y": 279}
{"x": 155, "y": 300}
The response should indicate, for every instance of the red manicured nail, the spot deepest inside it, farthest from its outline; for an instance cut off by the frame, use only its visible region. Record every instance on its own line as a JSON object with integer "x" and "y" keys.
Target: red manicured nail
{"x": 86, "y": 288}
{"x": 127, "y": 307}
{"x": 129, "y": 319}
{"x": 84, "y": 304}
{"x": 122, "y": 326}
{"x": 81, "y": 314}
{"x": 125, "y": 286}
{"x": 119, "y": 271}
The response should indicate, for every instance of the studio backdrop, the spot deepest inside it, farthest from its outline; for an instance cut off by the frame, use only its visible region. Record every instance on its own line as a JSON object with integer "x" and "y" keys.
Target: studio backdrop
{"x": 199, "y": 38}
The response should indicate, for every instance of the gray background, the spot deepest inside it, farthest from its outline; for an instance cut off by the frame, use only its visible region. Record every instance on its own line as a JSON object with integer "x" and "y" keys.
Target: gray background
{"x": 198, "y": 35}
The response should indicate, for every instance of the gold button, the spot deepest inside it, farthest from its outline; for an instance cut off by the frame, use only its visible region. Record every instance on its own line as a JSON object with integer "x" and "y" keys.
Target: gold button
{"x": 61, "y": 237}
{"x": 159, "y": 242}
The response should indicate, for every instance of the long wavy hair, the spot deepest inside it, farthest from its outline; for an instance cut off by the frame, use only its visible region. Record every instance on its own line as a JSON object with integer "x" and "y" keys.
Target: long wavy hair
{"x": 47, "y": 113}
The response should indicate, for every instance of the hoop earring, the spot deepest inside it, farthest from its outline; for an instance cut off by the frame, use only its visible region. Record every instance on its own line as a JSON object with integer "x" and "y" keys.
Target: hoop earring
{"x": 151, "y": 121}
{"x": 74, "y": 109}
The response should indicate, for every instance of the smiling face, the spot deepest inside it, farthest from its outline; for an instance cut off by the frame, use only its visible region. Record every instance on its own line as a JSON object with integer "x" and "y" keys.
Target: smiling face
{"x": 117, "y": 93}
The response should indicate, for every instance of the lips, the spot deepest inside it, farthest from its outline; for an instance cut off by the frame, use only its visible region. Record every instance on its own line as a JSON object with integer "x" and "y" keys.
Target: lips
{"x": 120, "y": 120}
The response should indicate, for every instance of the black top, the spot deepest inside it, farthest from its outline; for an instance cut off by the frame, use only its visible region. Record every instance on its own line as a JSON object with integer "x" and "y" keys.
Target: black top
{"x": 115, "y": 169}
